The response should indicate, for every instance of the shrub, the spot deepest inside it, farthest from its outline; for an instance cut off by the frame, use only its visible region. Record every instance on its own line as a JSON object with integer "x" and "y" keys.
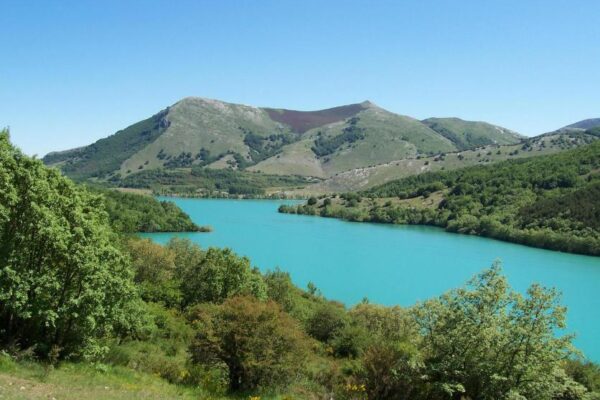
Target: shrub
{"x": 219, "y": 274}
{"x": 260, "y": 345}
{"x": 327, "y": 320}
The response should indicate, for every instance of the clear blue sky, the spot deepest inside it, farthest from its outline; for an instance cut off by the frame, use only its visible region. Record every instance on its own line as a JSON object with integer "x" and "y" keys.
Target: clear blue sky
{"x": 75, "y": 71}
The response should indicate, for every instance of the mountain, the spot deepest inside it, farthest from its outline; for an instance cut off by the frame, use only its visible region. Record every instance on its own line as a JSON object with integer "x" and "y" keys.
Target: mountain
{"x": 469, "y": 134}
{"x": 585, "y": 124}
{"x": 197, "y": 132}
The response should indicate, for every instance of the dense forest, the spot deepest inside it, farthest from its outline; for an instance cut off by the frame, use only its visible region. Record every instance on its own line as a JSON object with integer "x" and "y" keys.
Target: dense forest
{"x": 547, "y": 201}
{"x": 76, "y": 295}
{"x": 131, "y": 212}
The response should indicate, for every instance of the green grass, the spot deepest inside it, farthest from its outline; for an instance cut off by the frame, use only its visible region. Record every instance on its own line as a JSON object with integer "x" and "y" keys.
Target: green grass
{"x": 30, "y": 380}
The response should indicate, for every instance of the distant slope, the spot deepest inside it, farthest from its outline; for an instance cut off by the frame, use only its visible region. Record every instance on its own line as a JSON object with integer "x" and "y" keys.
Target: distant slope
{"x": 198, "y": 132}
{"x": 469, "y": 134}
{"x": 106, "y": 155}
{"x": 363, "y": 178}
{"x": 549, "y": 201}
{"x": 372, "y": 136}
{"x": 585, "y": 124}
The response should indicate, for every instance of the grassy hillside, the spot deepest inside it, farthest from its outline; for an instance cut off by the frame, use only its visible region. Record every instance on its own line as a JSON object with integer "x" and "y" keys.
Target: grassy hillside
{"x": 208, "y": 130}
{"x": 371, "y": 137}
{"x": 197, "y": 132}
{"x": 302, "y": 121}
{"x": 364, "y": 178}
{"x": 470, "y": 134}
{"x": 548, "y": 201}
{"x": 75, "y": 381}
{"x": 586, "y": 124}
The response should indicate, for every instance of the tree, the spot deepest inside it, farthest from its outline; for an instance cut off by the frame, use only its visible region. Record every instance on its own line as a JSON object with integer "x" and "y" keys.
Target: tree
{"x": 63, "y": 283}
{"x": 154, "y": 267}
{"x": 327, "y": 320}
{"x": 258, "y": 343}
{"x": 390, "y": 324}
{"x": 392, "y": 371}
{"x": 488, "y": 342}
{"x": 219, "y": 274}
{"x": 281, "y": 289}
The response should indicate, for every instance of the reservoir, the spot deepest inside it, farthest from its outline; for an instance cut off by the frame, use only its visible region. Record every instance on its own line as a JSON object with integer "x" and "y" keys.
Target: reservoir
{"x": 390, "y": 264}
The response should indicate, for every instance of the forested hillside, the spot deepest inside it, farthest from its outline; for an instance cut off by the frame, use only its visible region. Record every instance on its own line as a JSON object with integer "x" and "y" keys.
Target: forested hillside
{"x": 548, "y": 201}
{"x": 131, "y": 213}
{"x": 86, "y": 312}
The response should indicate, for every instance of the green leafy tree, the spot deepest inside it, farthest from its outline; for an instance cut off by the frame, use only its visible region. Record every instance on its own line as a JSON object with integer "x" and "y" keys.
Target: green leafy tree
{"x": 63, "y": 284}
{"x": 131, "y": 212}
{"x": 327, "y": 320}
{"x": 393, "y": 371}
{"x": 281, "y": 289}
{"x": 486, "y": 341}
{"x": 218, "y": 275}
{"x": 154, "y": 267}
{"x": 259, "y": 344}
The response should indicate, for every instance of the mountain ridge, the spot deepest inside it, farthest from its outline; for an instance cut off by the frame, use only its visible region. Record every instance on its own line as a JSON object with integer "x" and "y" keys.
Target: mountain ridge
{"x": 213, "y": 133}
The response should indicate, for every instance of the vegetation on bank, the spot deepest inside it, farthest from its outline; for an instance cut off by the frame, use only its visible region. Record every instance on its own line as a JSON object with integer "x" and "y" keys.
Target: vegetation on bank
{"x": 83, "y": 307}
{"x": 131, "y": 212}
{"x": 547, "y": 201}
{"x": 200, "y": 181}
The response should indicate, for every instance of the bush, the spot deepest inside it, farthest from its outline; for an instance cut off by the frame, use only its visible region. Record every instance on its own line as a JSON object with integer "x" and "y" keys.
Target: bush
{"x": 487, "y": 342}
{"x": 393, "y": 372}
{"x": 219, "y": 274}
{"x": 326, "y": 322}
{"x": 154, "y": 267}
{"x": 260, "y": 345}
{"x": 350, "y": 341}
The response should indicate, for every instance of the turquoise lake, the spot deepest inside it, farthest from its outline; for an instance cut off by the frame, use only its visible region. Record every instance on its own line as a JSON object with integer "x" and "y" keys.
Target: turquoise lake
{"x": 390, "y": 264}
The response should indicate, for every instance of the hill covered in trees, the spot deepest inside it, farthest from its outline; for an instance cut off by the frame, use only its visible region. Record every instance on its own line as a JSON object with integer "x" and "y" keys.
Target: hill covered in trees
{"x": 131, "y": 213}
{"x": 548, "y": 201}
{"x": 83, "y": 305}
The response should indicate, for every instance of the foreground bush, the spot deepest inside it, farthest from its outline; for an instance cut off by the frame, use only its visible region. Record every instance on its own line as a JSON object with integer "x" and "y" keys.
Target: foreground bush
{"x": 488, "y": 342}
{"x": 259, "y": 344}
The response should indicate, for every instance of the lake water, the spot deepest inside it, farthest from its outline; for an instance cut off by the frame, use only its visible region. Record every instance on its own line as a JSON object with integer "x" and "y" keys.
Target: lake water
{"x": 390, "y": 264}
